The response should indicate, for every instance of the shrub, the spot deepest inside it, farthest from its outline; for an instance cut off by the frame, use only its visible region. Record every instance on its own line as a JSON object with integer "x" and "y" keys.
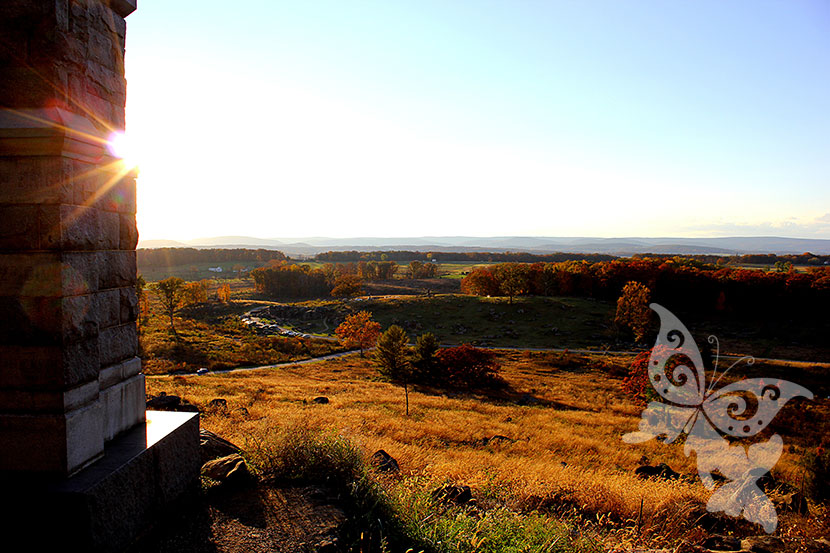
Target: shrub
{"x": 467, "y": 366}
{"x": 637, "y": 384}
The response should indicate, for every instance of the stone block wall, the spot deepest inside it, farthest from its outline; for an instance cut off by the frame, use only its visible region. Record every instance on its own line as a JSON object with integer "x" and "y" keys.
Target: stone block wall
{"x": 69, "y": 376}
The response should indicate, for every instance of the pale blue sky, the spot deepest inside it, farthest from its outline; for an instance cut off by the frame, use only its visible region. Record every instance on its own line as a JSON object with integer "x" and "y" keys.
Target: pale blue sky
{"x": 607, "y": 118}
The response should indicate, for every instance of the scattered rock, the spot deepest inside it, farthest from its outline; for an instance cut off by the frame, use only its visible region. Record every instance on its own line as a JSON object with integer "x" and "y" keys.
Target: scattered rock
{"x": 163, "y": 402}
{"x": 241, "y": 410}
{"x": 212, "y": 446}
{"x": 384, "y": 462}
{"x": 229, "y": 469}
{"x": 460, "y": 495}
{"x": 321, "y": 400}
{"x": 763, "y": 544}
{"x": 719, "y": 542}
{"x": 218, "y": 404}
{"x": 659, "y": 471}
{"x": 496, "y": 439}
{"x": 528, "y": 399}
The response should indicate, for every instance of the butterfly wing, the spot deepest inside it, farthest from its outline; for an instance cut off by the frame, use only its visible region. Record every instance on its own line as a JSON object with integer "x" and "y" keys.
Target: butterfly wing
{"x": 661, "y": 419}
{"x": 685, "y": 385}
{"x": 746, "y": 407}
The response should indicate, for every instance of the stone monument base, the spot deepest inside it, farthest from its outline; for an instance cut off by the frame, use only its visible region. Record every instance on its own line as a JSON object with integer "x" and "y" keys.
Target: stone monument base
{"x": 105, "y": 506}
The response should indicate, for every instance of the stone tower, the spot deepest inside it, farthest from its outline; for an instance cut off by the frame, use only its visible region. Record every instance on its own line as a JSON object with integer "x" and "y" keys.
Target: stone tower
{"x": 71, "y": 390}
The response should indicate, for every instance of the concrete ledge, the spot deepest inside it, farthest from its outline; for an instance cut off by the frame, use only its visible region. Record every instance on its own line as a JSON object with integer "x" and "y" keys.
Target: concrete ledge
{"x": 106, "y": 505}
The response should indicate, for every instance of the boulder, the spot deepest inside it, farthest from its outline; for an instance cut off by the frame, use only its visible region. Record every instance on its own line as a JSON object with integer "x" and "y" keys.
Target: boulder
{"x": 527, "y": 400}
{"x": 460, "y": 495}
{"x": 659, "y": 471}
{"x": 212, "y": 446}
{"x": 163, "y": 402}
{"x": 719, "y": 542}
{"x": 229, "y": 469}
{"x": 763, "y": 544}
{"x": 498, "y": 438}
{"x": 384, "y": 462}
{"x": 321, "y": 400}
{"x": 218, "y": 404}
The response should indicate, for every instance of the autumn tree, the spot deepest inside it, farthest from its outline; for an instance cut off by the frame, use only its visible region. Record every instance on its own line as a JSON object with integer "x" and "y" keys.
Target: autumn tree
{"x": 633, "y": 311}
{"x": 194, "y": 292}
{"x": 347, "y": 285}
{"x": 169, "y": 292}
{"x": 224, "y": 293}
{"x": 480, "y": 282}
{"x": 392, "y": 359}
{"x": 512, "y": 279}
{"x": 358, "y": 330}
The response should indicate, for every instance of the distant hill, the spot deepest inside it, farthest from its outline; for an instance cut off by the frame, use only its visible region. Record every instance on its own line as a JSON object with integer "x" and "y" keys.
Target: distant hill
{"x": 534, "y": 244}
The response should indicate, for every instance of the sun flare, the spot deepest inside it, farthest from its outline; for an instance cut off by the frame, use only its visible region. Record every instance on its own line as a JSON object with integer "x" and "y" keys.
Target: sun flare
{"x": 122, "y": 147}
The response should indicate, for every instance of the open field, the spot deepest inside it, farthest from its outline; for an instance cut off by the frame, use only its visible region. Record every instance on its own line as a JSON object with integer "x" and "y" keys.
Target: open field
{"x": 212, "y": 336}
{"x": 561, "y": 456}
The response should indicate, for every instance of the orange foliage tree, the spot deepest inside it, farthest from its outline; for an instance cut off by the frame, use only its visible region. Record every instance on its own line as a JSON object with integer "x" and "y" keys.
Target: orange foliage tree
{"x": 224, "y": 293}
{"x": 194, "y": 292}
{"x": 633, "y": 311}
{"x": 358, "y": 330}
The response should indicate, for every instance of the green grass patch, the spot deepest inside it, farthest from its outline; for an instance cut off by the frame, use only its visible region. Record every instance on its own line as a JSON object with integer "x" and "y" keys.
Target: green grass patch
{"x": 528, "y": 322}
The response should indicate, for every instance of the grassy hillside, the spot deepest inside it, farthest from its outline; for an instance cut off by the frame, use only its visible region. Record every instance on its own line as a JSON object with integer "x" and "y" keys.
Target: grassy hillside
{"x": 560, "y": 455}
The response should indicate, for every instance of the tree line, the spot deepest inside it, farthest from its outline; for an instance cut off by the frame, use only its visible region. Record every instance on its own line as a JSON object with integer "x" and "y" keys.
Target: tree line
{"x": 456, "y": 257}
{"x": 771, "y": 259}
{"x": 290, "y": 280}
{"x": 685, "y": 284}
{"x": 170, "y": 257}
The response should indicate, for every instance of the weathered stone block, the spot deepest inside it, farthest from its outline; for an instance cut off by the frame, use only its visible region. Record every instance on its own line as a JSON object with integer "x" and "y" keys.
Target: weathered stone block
{"x": 128, "y": 231}
{"x": 107, "y": 307}
{"x": 110, "y": 233}
{"x": 50, "y": 367}
{"x": 46, "y": 321}
{"x": 16, "y": 401}
{"x": 112, "y": 375}
{"x": 117, "y": 269}
{"x": 119, "y": 195}
{"x": 123, "y": 405}
{"x": 18, "y": 227}
{"x": 117, "y": 343}
{"x": 36, "y": 180}
{"x": 129, "y": 305}
{"x": 51, "y": 443}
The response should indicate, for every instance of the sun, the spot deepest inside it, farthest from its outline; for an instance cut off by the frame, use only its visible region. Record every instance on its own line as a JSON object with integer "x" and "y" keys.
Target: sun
{"x": 121, "y": 147}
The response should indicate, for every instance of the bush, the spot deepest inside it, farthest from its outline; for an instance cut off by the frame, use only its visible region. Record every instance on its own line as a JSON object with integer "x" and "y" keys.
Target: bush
{"x": 638, "y": 385}
{"x": 467, "y": 366}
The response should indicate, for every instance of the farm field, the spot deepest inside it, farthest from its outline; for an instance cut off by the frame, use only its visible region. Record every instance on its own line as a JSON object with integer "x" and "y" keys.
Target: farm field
{"x": 548, "y": 445}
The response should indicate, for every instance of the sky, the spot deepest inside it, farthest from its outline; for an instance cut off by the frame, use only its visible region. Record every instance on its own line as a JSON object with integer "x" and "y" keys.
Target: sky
{"x": 274, "y": 118}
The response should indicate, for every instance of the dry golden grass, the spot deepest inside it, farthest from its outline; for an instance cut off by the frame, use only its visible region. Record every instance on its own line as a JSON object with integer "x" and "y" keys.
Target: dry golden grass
{"x": 566, "y": 456}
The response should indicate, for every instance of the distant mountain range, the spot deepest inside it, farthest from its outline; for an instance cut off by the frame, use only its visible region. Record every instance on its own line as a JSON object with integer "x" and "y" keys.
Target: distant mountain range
{"x": 534, "y": 244}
